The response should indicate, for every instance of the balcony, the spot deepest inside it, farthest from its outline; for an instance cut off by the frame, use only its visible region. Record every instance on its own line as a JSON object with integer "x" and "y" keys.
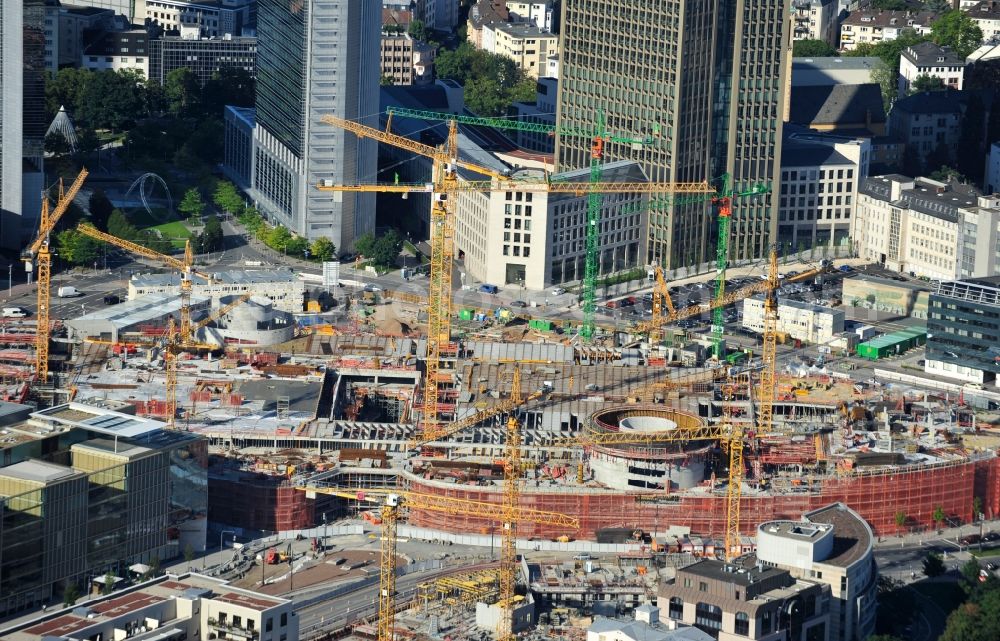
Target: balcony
{"x": 233, "y": 631}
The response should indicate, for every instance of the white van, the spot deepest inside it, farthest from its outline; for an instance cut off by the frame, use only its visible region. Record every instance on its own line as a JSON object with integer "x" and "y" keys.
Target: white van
{"x": 14, "y": 312}
{"x": 69, "y": 292}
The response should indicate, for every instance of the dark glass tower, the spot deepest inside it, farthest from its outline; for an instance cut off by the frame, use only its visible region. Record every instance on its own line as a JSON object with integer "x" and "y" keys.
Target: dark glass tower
{"x": 708, "y": 77}
{"x": 281, "y": 71}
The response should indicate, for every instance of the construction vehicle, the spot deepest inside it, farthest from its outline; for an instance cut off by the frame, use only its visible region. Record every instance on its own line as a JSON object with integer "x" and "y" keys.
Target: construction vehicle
{"x": 38, "y": 254}
{"x": 275, "y": 556}
{"x": 444, "y": 186}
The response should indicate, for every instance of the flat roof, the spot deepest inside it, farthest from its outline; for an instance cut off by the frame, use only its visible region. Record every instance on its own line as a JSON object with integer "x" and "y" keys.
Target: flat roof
{"x": 98, "y": 419}
{"x": 231, "y": 277}
{"x": 717, "y": 570}
{"x": 824, "y": 62}
{"x": 143, "y": 309}
{"x": 37, "y": 471}
{"x": 123, "y": 449}
{"x": 852, "y": 537}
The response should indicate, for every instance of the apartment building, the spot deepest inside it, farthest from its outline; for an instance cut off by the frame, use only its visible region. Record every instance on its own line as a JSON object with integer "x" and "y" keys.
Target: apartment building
{"x": 929, "y": 122}
{"x": 820, "y": 176}
{"x": 116, "y": 50}
{"x": 186, "y": 607}
{"x": 814, "y": 20}
{"x": 203, "y": 56}
{"x": 874, "y": 26}
{"x": 483, "y": 14}
{"x": 406, "y": 61}
{"x": 915, "y": 224}
{"x": 986, "y": 15}
{"x": 280, "y": 285}
{"x": 801, "y": 321}
{"x": 929, "y": 59}
{"x": 206, "y": 19}
{"x": 537, "y": 13}
{"x": 833, "y": 546}
{"x": 745, "y": 600}
{"x": 88, "y": 490}
{"x": 528, "y": 46}
{"x": 535, "y": 239}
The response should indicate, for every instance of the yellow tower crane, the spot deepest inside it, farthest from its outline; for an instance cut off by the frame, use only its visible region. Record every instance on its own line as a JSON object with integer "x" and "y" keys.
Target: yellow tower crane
{"x": 392, "y": 501}
{"x": 39, "y": 253}
{"x": 444, "y": 186}
{"x": 661, "y": 299}
{"x": 176, "y": 337}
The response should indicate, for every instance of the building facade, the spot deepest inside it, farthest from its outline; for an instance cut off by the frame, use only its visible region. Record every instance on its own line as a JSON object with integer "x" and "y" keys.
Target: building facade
{"x": 986, "y": 14}
{"x": 315, "y": 59}
{"x": 814, "y": 20}
{"x": 541, "y": 112}
{"x": 190, "y": 607}
{"x": 71, "y": 23}
{"x": 22, "y": 117}
{"x": 528, "y": 46}
{"x": 537, "y": 13}
{"x": 807, "y": 551}
{"x": 929, "y": 123}
{"x": 801, "y": 321}
{"x": 874, "y": 26}
{"x": 963, "y": 330}
{"x": 237, "y": 145}
{"x": 991, "y": 182}
{"x": 915, "y": 225}
{"x": 85, "y": 491}
{"x": 706, "y": 83}
{"x": 929, "y": 59}
{"x": 734, "y": 601}
{"x": 203, "y": 56}
{"x": 537, "y": 239}
{"x": 820, "y": 175}
{"x": 280, "y": 285}
{"x": 406, "y": 61}
{"x": 117, "y": 51}
{"x": 205, "y": 19}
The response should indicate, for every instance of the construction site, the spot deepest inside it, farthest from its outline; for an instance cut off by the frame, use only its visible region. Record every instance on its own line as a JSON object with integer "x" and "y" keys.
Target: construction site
{"x": 415, "y": 410}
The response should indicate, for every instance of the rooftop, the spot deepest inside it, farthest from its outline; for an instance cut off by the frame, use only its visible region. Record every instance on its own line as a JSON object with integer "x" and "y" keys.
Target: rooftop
{"x": 837, "y": 104}
{"x": 641, "y": 631}
{"x": 896, "y": 19}
{"x": 719, "y": 571}
{"x": 802, "y": 154}
{"x": 827, "y": 63}
{"x": 934, "y": 198}
{"x": 486, "y": 12}
{"x": 144, "y": 309}
{"x": 523, "y": 30}
{"x": 232, "y": 277}
{"x": 928, "y": 54}
{"x": 37, "y": 471}
{"x": 852, "y": 536}
{"x": 947, "y": 101}
{"x": 96, "y": 419}
{"x": 985, "y": 10}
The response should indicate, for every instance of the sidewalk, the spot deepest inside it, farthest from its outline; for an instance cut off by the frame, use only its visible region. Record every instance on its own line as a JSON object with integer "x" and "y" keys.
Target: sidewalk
{"x": 952, "y": 534}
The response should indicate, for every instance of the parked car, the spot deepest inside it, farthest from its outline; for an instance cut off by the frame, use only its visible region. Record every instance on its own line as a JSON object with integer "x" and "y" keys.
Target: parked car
{"x": 518, "y": 303}
{"x": 489, "y": 289}
{"x": 558, "y": 291}
{"x": 112, "y": 299}
{"x": 847, "y": 269}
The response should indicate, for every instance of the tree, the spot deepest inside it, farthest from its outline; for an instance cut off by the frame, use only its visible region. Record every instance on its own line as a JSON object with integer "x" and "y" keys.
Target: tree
{"x": 77, "y": 249}
{"x": 940, "y": 156}
{"x": 112, "y": 100}
{"x": 227, "y": 198}
{"x": 188, "y": 553}
{"x": 227, "y": 86}
{"x": 977, "y": 507}
{"x": 87, "y": 141}
{"x": 938, "y": 515}
{"x": 810, "y": 48}
{"x": 887, "y": 79}
{"x": 109, "y": 584}
{"x": 70, "y": 594}
{"x": 418, "y": 31}
{"x": 925, "y": 82}
{"x": 297, "y": 246}
{"x": 119, "y": 225}
{"x": 933, "y": 565}
{"x": 154, "y": 565}
{"x": 65, "y": 89}
{"x": 277, "y": 238}
{"x": 100, "y": 209}
{"x": 386, "y": 248}
{"x": 192, "y": 205}
{"x": 322, "y": 249}
{"x": 890, "y": 5}
{"x": 937, "y": 6}
{"x": 900, "y": 518}
{"x": 365, "y": 244}
{"x": 181, "y": 91}
{"x": 957, "y": 30}
{"x": 55, "y": 143}
{"x": 970, "y": 575}
{"x": 210, "y": 238}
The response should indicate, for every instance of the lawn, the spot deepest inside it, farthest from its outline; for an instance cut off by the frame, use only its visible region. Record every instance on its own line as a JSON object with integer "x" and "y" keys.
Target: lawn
{"x": 174, "y": 231}
{"x": 987, "y": 552}
{"x": 947, "y": 596}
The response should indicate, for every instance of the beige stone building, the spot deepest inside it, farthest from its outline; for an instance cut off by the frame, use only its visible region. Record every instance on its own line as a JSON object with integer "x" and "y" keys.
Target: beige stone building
{"x": 528, "y": 46}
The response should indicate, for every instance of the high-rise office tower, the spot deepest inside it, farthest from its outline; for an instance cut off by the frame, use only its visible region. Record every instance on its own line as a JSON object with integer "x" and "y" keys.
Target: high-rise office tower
{"x": 314, "y": 58}
{"x": 22, "y": 116}
{"x": 706, "y": 78}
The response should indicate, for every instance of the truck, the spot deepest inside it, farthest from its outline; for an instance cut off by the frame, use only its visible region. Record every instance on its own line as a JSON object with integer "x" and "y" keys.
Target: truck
{"x": 68, "y": 291}
{"x": 14, "y": 312}
{"x": 274, "y": 556}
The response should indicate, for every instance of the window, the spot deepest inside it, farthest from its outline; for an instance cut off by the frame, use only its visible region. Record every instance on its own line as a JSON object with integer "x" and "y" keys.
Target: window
{"x": 702, "y": 586}
{"x": 269, "y": 624}
{"x": 742, "y": 624}
{"x": 284, "y": 619}
{"x": 708, "y": 616}
{"x": 238, "y": 621}
{"x": 687, "y": 582}
{"x": 675, "y": 609}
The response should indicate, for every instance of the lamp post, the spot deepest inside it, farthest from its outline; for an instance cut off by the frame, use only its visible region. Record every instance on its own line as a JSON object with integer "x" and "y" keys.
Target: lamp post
{"x": 221, "y": 535}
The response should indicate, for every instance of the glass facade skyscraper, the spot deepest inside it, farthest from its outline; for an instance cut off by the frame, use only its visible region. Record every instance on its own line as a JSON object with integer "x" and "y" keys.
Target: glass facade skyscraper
{"x": 705, "y": 79}
{"x": 315, "y": 58}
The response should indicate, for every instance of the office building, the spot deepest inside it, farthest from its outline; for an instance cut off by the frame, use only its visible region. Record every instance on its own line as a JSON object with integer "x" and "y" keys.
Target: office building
{"x": 441, "y": 15}
{"x": 933, "y": 61}
{"x": 833, "y": 546}
{"x": 917, "y": 225}
{"x": 963, "y": 330}
{"x": 208, "y": 19}
{"x": 406, "y": 61}
{"x": 190, "y": 607}
{"x": 743, "y": 599}
{"x": 799, "y": 320}
{"x": 991, "y": 183}
{"x": 820, "y": 176}
{"x": 315, "y": 59}
{"x": 706, "y": 83}
{"x": 237, "y": 150}
{"x": 203, "y": 56}
{"x": 535, "y": 239}
{"x": 871, "y": 26}
{"x": 116, "y": 50}
{"x": 814, "y": 20}
{"x": 85, "y": 491}
{"x": 22, "y": 117}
